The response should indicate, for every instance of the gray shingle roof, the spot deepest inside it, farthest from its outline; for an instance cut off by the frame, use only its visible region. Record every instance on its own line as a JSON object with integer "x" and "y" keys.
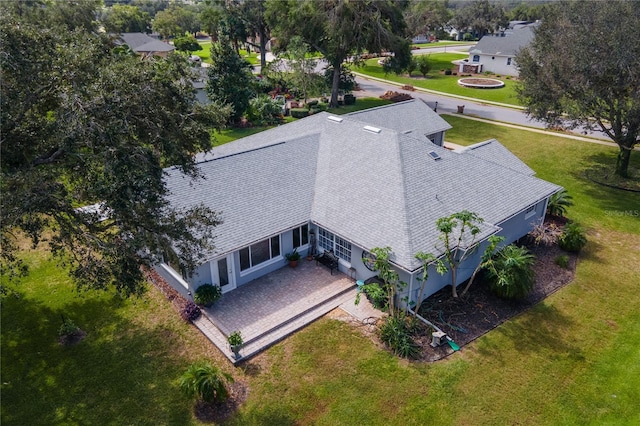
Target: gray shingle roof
{"x": 413, "y": 116}
{"x": 374, "y": 189}
{"x": 140, "y": 42}
{"x": 494, "y": 152}
{"x": 508, "y": 45}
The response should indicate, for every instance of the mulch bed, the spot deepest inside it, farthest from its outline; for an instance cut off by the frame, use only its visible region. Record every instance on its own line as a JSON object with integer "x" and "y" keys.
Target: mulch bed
{"x": 221, "y": 411}
{"x": 466, "y": 318}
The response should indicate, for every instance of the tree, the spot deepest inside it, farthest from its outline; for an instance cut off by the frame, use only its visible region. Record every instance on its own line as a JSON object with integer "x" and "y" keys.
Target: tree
{"x": 581, "y": 70}
{"x": 424, "y": 65}
{"x": 187, "y": 43}
{"x": 122, "y": 18}
{"x": 301, "y": 69}
{"x": 69, "y": 14}
{"x": 83, "y": 125}
{"x": 175, "y": 21}
{"x": 206, "y": 382}
{"x": 230, "y": 80}
{"x": 481, "y": 16}
{"x": 511, "y": 273}
{"x": 425, "y": 17}
{"x": 458, "y": 233}
{"x": 340, "y": 29}
{"x": 252, "y": 14}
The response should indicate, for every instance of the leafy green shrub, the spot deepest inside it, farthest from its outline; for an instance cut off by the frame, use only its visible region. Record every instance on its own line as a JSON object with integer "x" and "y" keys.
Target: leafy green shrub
{"x": 546, "y": 234}
{"x": 319, "y": 108}
{"x": 206, "y": 294}
{"x": 562, "y": 261}
{"x": 510, "y": 272}
{"x": 206, "y": 382}
{"x": 447, "y": 72}
{"x": 573, "y": 238}
{"x": 190, "y": 312}
{"x": 376, "y": 294}
{"x": 559, "y": 202}
{"x": 349, "y": 99}
{"x": 68, "y": 328}
{"x": 235, "y": 338}
{"x": 264, "y": 111}
{"x": 396, "y": 332}
{"x": 299, "y": 112}
{"x": 312, "y": 103}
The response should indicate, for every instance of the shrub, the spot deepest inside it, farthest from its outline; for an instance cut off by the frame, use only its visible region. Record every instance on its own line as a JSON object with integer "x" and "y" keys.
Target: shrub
{"x": 562, "y": 261}
{"x": 318, "y": 108}
{"x": 377, "y": 295}
{"x": 206, "y": 382}
{"x": 396, "y": 332}
{"x": 299, "y": 112}
{"x": 424, "y": 65}
{"x": 546, "y": 234}
{"x": 68, "y": 328}
{"x": 312, "y": 103}
{"x": 349, "y": 99}
{"x": 190, "y": 312}
{"x": 573, "y": 238}
{"x": 206, "y": 294}
{"x": 558, "y": 203}
{"x": 510, "y": 272}
{"x": 447, "y": 72}
{"x": 235, "y": 338}
{"x": 264, "y": 111}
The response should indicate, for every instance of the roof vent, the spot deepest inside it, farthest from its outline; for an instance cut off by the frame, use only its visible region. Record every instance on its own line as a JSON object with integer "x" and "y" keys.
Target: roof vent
{"x": 372, "y": 129}
{"x": 434, "y": 155}
{"x": 334, "y": 119}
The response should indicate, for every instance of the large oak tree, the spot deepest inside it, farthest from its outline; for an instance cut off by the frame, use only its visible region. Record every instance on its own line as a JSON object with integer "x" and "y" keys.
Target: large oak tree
{"x": 84, "y": 122}
{"x": 341, "y": 29}
{"x": 583, "y": 69}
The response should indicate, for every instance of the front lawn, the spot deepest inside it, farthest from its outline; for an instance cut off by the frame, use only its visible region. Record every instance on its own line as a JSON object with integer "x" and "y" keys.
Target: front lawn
{"x": 205, "y": 54}
{"x": 572, "y": 359}
{"x": 437, "y": 81}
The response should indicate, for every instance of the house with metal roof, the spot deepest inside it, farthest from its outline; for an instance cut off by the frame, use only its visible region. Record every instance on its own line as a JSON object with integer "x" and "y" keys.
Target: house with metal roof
{"x": 374, "y": 178}
{"x": 496, "y": 52}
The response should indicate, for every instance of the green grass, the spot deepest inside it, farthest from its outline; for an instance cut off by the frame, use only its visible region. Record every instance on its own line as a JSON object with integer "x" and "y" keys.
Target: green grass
{"x": 444, "y": 83}
{"x": 205, "y": 54}
{"x": 442, "y": 43}
{"x": 572, "y": 359}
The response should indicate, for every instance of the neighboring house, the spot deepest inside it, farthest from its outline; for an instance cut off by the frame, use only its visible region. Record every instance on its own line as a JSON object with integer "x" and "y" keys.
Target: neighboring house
{"x": 369, "y": 179}
{"x": 145, "y": 45}
{"x": 496, "y": 52}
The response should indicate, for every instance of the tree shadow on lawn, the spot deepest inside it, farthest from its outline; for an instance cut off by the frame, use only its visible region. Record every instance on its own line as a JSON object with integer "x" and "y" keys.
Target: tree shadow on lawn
{"x": 538, "y": 330}
{"x": 609, "y": 199}
{"x": 112, "y": 376}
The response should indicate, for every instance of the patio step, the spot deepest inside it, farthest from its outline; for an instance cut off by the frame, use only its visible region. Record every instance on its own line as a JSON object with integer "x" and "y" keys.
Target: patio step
{"x": 262, "y": 341}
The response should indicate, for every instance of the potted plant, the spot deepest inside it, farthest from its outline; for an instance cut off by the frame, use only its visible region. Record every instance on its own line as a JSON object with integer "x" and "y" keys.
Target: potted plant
{"x": 235, "y": 343}
{"x": 206, "y": 294}
{"x": 293, "y": 258}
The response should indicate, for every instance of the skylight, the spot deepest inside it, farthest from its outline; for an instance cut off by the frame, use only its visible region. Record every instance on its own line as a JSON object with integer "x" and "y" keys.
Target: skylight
{"x": 372, "y": 129}
{"x": 334, "y": 119}
{"x": 434, "y": 155}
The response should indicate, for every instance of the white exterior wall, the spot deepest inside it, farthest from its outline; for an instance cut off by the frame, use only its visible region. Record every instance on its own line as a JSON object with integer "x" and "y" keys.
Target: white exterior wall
{"x": 497, "y": 64}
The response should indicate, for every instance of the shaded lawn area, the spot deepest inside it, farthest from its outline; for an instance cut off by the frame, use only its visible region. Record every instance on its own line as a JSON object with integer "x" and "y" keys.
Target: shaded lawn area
{"x": 205, "y": 54}
{"x": 572, "y": 359}
{"x": 444, "y": 83}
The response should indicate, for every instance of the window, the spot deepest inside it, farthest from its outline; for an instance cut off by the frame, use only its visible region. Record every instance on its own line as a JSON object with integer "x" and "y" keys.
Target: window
{"x": 531, "y": 211}
{"x": 301, "y": 236}
{"x": 259, "y": 253}
{"x": 476, "y": 58}
{"x": 339, "y": 246}
{"x": 508, "y": 61}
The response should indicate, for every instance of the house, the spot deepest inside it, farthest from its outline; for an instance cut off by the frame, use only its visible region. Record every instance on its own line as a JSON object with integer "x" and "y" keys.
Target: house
{"x": 372, "y": 178}
{"x": 146, "y": 45}
{"x": 495, "y": 52}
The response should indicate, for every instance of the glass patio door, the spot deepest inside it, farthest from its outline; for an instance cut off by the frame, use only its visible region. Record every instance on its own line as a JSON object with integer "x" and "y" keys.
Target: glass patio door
{"x": 222, "y": 273}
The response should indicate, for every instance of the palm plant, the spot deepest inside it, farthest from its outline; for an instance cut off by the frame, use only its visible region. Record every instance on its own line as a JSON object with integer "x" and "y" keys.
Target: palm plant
{"x": 510, "y": 272}
{"x": 206, "y": 382}
{"x": 559, "y": 202}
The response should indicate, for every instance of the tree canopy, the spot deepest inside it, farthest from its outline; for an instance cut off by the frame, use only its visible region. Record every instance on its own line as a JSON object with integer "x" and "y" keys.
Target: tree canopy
{"x": 341, "y": 29}
{"x": 122, "y": 18}
{"x": 582, "y": 70}
{"x": 84, "y": 123}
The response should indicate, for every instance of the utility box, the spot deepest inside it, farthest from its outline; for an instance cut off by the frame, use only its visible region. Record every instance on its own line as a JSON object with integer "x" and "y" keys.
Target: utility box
{"x": 438, "y": 338}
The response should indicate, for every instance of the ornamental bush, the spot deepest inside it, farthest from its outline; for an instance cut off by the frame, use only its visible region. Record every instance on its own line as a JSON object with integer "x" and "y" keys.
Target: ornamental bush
{"x": 206, "y": 382}
{"x": 396, "y": 332}
{"x": 299, "y": 112}
{"x": 206, "y": 294}
{"x": 573, "y": 238}
{"x": 510, "y": 272}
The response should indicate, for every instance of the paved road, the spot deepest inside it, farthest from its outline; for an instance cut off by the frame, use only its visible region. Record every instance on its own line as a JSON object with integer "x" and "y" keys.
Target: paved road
{"x": 446, "y": 104}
